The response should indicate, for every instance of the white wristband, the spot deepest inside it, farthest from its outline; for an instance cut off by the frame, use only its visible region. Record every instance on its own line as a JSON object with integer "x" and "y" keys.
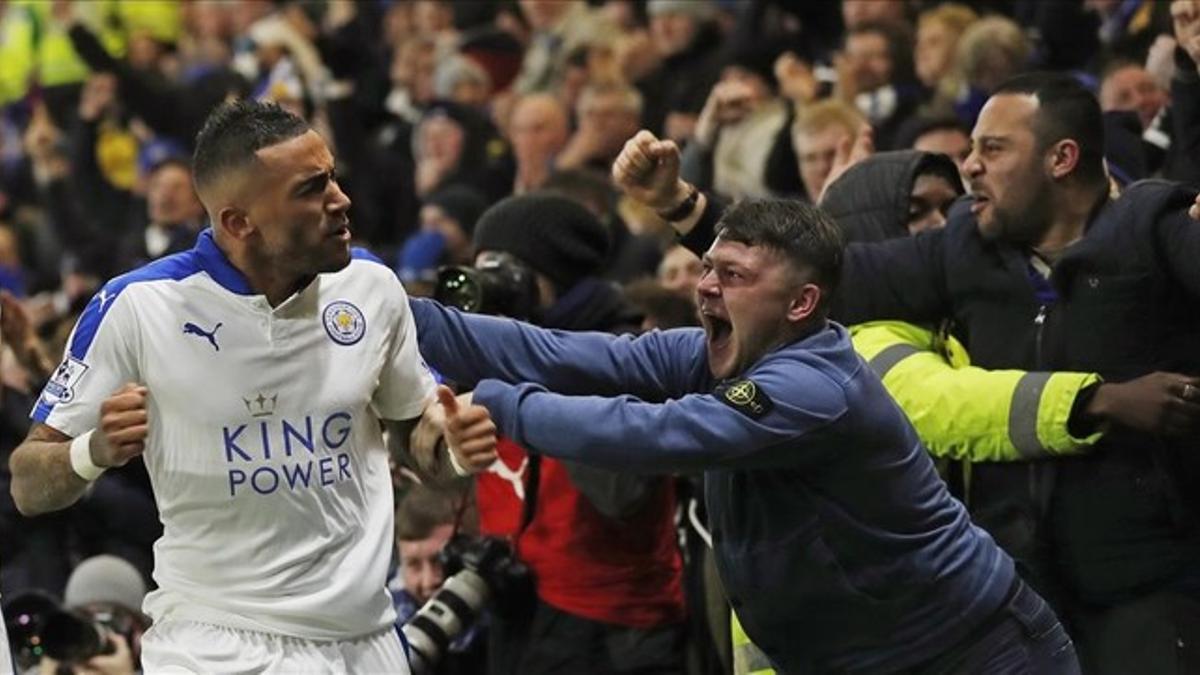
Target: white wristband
{"x": 81, "y": 458}
{"x": 458, "y": 468}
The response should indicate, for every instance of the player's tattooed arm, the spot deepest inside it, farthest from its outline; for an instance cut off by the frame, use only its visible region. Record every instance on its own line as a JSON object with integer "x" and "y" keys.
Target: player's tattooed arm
{"x": 42, "y": 477}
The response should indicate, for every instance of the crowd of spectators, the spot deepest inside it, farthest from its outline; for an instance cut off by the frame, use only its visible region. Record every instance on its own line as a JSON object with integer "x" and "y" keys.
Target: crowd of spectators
{"x": 438, "y": 110}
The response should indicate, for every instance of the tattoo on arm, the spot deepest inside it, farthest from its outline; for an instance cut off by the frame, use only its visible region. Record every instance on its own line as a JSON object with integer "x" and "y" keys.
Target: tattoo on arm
{"x": 42, "y": 477}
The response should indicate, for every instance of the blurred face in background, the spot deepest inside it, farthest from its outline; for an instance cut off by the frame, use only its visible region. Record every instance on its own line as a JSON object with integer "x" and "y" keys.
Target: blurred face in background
{"x": 143, "y": 51}
{"x": 421, "y": 569}
{"x": 170, "y": 197}
{"x": 857, "y": 12}
{"x": 870, "y": 60}
{"x": 471, "y": 92}
{"x": 1131, "y": 88}
{"x": 458, "y": 242}
{"x": 545, "y": 14}
{"x": 243, "y": 14}
{"x": 760, "y": 89}
{"x": 432, "y": 17}
{"x": 441, "y": 137}
{"x": 673, "y": 32}
{"x": 934, "y": 51}
{"x": 928, "y": 202}
{"x": 816, "y": 150}
{"x": 539, "y": 129}
{"x": 609, "y": 115}
{"x": 413, "y": 64}
{"x": 680, "y": 271}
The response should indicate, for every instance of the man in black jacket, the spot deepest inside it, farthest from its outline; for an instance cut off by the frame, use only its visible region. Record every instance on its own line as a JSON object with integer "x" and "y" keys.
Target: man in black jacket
{"x": 1045, "y": 272}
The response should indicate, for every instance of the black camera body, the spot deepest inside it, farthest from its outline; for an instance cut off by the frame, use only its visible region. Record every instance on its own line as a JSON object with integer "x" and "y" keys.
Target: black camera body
{"x": 38, "y": 627}
{"x": 75, "y": 637}
{"x": 497, "y": 287}
{"x": 478, "y": 570}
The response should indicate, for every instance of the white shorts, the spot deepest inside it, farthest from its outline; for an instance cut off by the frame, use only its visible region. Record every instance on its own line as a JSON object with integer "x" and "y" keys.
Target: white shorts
{"x": 193, "y": 647}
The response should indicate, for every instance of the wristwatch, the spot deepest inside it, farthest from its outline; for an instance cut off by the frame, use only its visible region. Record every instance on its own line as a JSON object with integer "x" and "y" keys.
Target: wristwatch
{"x": 684, "y": 209}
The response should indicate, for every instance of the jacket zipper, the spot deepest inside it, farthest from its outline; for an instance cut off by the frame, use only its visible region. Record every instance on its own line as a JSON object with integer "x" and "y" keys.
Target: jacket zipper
{"x": 1034, "y": 475}
{"x": 1040, "y": 322}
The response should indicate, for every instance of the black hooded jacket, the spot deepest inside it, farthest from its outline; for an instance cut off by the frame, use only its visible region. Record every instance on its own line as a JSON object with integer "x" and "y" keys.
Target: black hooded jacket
{"x": 870, "y": 200}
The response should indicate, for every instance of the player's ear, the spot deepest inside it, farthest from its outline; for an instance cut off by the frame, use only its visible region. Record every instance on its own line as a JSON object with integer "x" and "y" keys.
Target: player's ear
{"x": 235, "y": 222}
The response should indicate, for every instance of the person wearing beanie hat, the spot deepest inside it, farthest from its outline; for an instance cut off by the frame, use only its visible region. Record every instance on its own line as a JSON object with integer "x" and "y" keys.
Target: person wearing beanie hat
{"x": 622, "y": 611}
{"x": 108, "y": 591}
{"x": 556, "y": 237}
{"x": 105, "y": 578}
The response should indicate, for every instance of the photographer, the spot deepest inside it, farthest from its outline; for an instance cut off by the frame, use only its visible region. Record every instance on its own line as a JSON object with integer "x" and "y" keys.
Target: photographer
{"x": 601, "y": 545}
{"x": 426, "y": 521}
{"x": 100, "y": 632}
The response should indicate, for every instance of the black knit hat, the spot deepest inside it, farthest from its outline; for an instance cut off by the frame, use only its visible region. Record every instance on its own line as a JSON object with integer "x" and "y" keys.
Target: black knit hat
{"x": 462, "y": 203}
{"x": 554, "y": 235}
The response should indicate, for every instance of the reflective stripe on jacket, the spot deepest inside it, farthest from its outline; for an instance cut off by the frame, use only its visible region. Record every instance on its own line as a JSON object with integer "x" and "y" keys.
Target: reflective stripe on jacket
{"x": 747, "y": 659}
{"x": 966, "y": 413}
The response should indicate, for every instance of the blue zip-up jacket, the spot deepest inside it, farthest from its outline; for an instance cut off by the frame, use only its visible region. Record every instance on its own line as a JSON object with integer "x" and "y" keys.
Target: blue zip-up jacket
{"x": 837, "y": 543}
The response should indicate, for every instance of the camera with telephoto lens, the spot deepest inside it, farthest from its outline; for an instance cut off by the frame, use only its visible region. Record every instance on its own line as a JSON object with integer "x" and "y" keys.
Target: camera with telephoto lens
{"x": 478, "y": 570}
{"x": 497, "y": 287}
{"x": 38, "y": 627}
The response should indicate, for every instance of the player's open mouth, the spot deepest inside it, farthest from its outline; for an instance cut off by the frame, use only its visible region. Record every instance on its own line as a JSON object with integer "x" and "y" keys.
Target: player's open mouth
{"x": 342, "y": 233}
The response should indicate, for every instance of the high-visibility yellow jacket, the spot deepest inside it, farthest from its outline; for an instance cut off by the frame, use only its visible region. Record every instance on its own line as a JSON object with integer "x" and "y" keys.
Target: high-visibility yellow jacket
{"x": 17, "y": 43}
{"x": 33, "y": 47}
{"x": 747, "y": 659}
{"x": 967, "y": 413}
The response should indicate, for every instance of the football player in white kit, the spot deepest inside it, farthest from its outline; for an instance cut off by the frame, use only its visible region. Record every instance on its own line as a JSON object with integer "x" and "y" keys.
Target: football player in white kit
{"x": 252, "y": 374}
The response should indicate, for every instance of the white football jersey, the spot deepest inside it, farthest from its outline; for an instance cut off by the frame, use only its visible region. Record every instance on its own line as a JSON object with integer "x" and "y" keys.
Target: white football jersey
{"x": 264, "y": 450}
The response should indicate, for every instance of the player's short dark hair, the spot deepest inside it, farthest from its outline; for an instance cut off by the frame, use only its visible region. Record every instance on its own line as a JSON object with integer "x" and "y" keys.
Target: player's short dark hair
{"x": 809, "y": 239}
{"x": 1066, "y": 109}
{"x": 235, "y": 131}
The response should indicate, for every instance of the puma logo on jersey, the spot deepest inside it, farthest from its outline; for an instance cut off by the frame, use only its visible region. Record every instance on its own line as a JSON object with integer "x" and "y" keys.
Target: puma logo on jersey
{"x": 190, "y": 328}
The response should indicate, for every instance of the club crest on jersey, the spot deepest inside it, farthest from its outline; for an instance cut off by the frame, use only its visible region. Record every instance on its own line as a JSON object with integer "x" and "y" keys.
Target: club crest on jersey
{"x": 61, "y": 387}
{"x": 344, "y": 322}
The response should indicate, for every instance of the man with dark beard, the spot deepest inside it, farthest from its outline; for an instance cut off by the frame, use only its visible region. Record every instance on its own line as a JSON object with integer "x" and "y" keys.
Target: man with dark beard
{"x": 1046, "y": 272}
